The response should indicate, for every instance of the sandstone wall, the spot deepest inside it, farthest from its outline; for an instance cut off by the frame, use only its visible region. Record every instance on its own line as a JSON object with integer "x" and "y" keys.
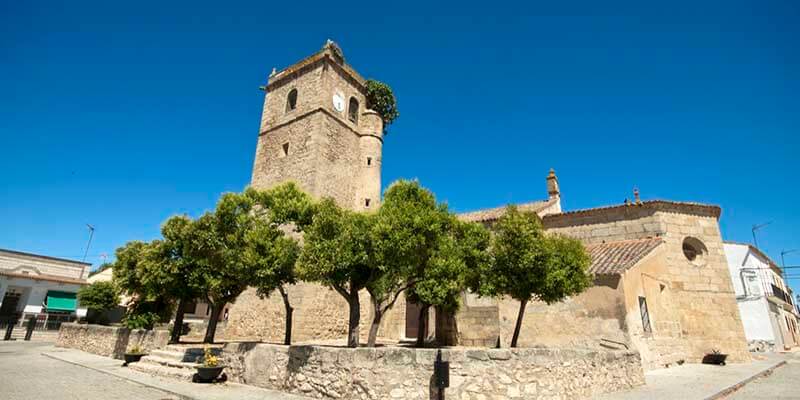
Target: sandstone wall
{"x": 709, "y": 314}
{"x": 592, "y": 319}
{"x": 704, "y": 315}
{"x": 320, "y": 314}
{"x": 109, "y": 341}
{"x": 403, "y": 373}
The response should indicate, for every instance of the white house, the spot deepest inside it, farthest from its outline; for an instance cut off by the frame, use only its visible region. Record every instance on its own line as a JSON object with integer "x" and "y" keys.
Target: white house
{"x": 41, "y": 286}
{"x": 767, "y": 309}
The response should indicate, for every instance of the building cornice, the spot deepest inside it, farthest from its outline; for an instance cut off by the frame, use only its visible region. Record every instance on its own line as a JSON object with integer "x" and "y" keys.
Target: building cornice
{"x": 48, "y": 278}
{"x": 309, "y": 63}
{"x": 22, "y": 253}
{"x": 707, "y": 210}
{"x": 314, "y": 111}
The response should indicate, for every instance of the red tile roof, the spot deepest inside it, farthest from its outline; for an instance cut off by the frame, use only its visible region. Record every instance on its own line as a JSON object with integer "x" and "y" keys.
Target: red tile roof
{"x": 493, "y": 214}
{"x": 614, "y": 258}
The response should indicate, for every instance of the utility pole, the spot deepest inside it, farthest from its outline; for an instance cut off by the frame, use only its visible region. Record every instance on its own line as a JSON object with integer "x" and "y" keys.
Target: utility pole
{"x": 91, "y": 234}
{"x": 755, "y": 228}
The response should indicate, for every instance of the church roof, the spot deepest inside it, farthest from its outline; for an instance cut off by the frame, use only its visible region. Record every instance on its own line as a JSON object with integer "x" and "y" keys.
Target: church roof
{"x": 655, "y": 205}
{"x": 493, "y": 214}
{"x": 614, "y": 258}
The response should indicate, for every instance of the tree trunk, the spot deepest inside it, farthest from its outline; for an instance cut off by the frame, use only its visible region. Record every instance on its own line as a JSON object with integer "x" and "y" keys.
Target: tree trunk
{"x": 355, "y": 315}
{"x": 216, "y": 310}
{"x": 422, "y": 331}
{"x": 177, "y": 327}
{"x": 518, "y": 326}
{"x": 287, "y": 337}
{"x": 376, "y": 322}
{"x": 446, "y": 330}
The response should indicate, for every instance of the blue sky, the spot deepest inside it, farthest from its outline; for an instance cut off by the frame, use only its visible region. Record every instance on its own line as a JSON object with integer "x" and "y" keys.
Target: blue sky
{"x": 121, "y": 115}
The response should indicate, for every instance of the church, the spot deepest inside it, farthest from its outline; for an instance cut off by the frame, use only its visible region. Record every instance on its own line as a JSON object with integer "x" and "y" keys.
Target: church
{"x": 661, "y": 280}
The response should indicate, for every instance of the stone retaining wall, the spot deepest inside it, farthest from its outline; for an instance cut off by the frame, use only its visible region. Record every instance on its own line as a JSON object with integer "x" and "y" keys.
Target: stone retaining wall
{"x": 109, "y": 341}
{"x": 404, "y": 373}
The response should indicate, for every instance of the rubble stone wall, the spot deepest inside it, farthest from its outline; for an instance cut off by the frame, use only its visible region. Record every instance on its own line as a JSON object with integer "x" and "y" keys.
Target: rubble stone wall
{"x": 109, "y": 341}
{"x": 404, "y": 373}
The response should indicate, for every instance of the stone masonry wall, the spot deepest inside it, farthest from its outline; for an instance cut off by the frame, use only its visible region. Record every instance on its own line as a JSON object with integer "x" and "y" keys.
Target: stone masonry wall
{"x": 109, "y": 341}
{"x": 592, "y": 319}
{"x": 404, "y": 373}
{"x": 701, "y": 294}
{"x": 320, "y": 314}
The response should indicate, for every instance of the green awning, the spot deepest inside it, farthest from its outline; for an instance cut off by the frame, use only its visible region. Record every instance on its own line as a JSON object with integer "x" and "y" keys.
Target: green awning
{"x": 61, "y": 301}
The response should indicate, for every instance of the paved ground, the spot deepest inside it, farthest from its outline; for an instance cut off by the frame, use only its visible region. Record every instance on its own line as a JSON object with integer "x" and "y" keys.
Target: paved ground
{"x": 39, "y": 371}
{"x": 178, "y": 389}
{"x": 26, "y": 374}
{"x": 697, "y": 381}
{"x": 783, "y": 383}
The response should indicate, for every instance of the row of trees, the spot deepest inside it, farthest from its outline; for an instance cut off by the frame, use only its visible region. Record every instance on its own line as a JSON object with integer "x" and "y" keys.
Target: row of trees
{"x": 412, "y": 245}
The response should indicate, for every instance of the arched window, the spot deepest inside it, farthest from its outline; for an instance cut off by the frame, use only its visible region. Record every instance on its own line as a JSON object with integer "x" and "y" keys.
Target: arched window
{"x": 291, "y": 100}
{"x": 352, "y": 111}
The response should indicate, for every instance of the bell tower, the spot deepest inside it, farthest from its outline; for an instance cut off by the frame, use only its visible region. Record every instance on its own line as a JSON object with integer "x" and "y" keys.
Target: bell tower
{"x": 316, "y": 131}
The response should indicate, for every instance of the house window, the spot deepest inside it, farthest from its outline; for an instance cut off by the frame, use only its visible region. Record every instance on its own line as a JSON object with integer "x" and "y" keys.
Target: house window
{"x": 189, "y": 308}
{"x": 366, "y": 203}
{"x": 645, "y": 315}
{"x": 285, "y": 149}
{"x": 369, "y": 161}
{"x": 291, "y": 100}
{"x": 352, "y": 110}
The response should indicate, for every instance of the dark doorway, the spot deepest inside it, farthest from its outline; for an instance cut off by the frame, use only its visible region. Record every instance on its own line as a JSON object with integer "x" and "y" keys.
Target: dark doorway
{"x": 412, "y": 319}
{"x": 10, "y": 302}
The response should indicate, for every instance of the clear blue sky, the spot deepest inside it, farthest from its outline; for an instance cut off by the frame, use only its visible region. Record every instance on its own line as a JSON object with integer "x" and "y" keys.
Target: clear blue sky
{"x": 121, "y": 115}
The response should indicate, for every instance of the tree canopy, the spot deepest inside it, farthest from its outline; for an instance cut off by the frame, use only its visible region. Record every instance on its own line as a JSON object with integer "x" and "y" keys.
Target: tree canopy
{"x": 528, "y": 264}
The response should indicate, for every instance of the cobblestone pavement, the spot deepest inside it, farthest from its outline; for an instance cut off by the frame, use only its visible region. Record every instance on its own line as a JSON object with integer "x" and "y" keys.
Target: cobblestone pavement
{"x": 781, "y": 384}
{"x": 26, "y": 374}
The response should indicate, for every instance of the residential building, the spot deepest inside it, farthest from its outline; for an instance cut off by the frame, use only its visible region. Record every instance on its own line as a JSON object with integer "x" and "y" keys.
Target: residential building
{"x": 768, "y": 312}
{"x": 41, "y": 286}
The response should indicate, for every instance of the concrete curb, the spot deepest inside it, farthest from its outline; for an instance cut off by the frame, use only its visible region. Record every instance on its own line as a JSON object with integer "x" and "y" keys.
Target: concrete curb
{"x": 127, "y": 378}
{"x": 730, "y": 389}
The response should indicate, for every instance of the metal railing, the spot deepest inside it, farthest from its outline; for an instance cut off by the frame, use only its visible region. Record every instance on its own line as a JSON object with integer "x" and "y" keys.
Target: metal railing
{"x": 44, "y": 321}
{"x": 779, "y": 293}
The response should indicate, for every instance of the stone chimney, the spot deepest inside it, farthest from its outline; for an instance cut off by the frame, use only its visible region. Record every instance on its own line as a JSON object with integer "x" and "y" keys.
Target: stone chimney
{"x": 553, "y": 193}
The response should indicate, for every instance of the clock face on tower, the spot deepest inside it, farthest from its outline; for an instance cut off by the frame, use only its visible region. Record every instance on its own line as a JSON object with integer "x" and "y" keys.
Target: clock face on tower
{"x": 338, "y": 102}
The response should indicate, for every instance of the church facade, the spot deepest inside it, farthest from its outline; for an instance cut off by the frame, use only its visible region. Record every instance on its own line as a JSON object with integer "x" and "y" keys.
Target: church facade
{"x": 661, "y": 278}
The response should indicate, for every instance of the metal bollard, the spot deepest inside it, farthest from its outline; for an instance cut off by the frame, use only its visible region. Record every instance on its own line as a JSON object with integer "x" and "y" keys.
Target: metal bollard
{"x": 441, "y": 373}
{"x": 9, "y": 330}
{"x": 31, "y": 326}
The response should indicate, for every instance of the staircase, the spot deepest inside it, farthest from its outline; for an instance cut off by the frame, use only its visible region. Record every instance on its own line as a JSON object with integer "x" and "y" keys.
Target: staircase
{"x": 174, "y": 361}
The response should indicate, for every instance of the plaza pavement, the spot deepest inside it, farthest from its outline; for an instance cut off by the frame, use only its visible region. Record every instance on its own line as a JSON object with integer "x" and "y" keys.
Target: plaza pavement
{"x": 40, "y": 371}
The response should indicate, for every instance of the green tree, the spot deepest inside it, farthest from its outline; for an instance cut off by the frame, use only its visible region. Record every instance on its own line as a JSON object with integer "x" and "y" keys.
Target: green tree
{"x": 380, "y": 98}
{"x": 283, "y": 211}
{"x": 528, "y": 264}
{"x": 98, "y": 297}
{"x": 410, "y": 227}
{"x": 217, "y": 246}
{"x": 169, "y": 269}
{"x": 337, "y": 252}
{"x": 148, "y": 305}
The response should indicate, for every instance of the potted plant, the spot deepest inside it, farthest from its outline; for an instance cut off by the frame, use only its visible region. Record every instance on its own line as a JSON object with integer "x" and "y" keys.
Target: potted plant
{"x": 210, "y": 369}
{"x": 715, "y": 357}
{"x": 133, "y": 355}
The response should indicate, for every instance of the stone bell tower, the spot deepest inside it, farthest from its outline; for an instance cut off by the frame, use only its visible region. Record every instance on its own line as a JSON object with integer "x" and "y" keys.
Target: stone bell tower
{"x": 316, "y": 131}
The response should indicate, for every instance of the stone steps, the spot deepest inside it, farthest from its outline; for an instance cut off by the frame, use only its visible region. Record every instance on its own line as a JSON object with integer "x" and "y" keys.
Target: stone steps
{"x": 174, "y": 361}
{"x": 159, "y": 370}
